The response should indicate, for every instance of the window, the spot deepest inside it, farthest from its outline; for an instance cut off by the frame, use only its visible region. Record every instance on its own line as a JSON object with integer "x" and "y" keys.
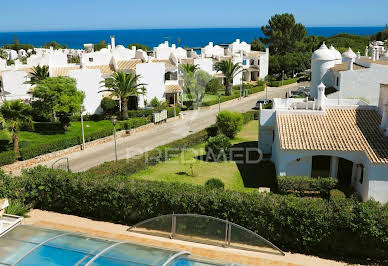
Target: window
{"x": 90, "y": 59}
{"x": 361, "y": 167}
{"x": 337, "y": 81}
{"x": 252, "y": 62}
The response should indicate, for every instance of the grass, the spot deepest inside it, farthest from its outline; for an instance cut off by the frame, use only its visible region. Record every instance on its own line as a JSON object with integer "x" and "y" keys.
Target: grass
{"x": 26, "y": 137}
{"x": 188, "y": 167}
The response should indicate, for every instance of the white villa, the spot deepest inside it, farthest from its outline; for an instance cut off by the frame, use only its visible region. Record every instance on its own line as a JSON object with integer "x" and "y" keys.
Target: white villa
{"x": 341, "y": 138}
{"x": 160, "y": 70}
{"x": 349, "y": 75}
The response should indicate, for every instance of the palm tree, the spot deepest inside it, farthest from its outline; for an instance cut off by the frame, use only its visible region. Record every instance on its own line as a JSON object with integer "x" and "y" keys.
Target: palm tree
{"x": 230, "y": 70}
{"x": 123, "y": 86}
{"x": 188, "y": 68}
{"x": 16, "y": 114}
{"x": 38, "y": 74}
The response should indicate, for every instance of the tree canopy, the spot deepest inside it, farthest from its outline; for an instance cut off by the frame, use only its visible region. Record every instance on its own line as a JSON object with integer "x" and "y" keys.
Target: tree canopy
{"x": 59, "y": 95}
{"x": 257, "y": 45}
{"x": 38, "y": 74}
{"x": 55, "y": 45}
{"x": 283, "y": 34}
{"x": 230, "y": 70}
{"x": 124, "y": 85}
{"x": 139, "y": 46}
{"x": 98, "y": 46}
{"x": 18, "y": 46}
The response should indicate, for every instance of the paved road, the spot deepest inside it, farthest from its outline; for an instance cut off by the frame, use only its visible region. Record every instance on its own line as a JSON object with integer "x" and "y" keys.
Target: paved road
{"x": 193, "y": 121}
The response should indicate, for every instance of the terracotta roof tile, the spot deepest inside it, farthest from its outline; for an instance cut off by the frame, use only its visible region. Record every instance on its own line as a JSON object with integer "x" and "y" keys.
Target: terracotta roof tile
{"x": 337, "y": 130}
{"x": 63, "y": 71}
{"x": 128, "y": 64}
{"x": 105, "y": 69}
{"x": 174, "y": 88}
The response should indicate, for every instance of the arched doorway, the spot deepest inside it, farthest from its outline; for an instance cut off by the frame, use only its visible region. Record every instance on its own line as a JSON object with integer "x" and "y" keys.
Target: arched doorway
{"x": 345, "y": 171}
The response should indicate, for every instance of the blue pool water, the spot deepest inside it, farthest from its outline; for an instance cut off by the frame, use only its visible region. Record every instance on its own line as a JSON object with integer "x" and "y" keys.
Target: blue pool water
{"x": 29, "y": 245}
{"x": 152, "y": 37}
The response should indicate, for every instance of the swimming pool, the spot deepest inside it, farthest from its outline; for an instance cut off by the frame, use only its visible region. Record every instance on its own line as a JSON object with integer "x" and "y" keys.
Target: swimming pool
{"x": 30, "y": 245}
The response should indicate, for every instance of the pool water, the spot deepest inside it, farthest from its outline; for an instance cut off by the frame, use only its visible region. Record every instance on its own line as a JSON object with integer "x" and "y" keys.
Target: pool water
{"x": 30, "y": 245}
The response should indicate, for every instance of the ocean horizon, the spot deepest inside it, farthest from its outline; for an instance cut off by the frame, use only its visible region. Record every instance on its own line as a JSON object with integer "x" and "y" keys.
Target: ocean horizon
{"x": 191, "y": 37}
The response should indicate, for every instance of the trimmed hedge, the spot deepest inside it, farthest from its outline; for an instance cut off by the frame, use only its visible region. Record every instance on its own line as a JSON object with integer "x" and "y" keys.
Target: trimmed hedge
{"x": 279, "y": 83}
{"x": 34, "y": 150}
{"x": 7, "y": 157}
{"x": 343, "y": 227}
{"x": 48, "y": 127}
{"x": 306, "y": 186}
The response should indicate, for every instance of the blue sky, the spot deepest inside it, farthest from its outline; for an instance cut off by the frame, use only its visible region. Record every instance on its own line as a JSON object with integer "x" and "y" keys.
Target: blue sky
{"x": 41, "y": 15}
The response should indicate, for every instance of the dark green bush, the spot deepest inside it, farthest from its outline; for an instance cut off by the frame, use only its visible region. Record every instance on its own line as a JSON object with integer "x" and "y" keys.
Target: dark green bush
{"x": 7, "y": 157}
{"x": 109, "y": 106}
{"x": 140, "y": 113}
{"x": 155, "y": 102}
{"x": 249, "y": 116}
{"x": 229, "y": 123}
{"x": 213, "y": 86}
{"x": 217, "y": 148}
{"x": 48, "y": 127}
{"x": 306, "y": 186}
{"x": 337, "y": 194}
{"x": 215, "y": 183}
{"x": 304, "y": 225}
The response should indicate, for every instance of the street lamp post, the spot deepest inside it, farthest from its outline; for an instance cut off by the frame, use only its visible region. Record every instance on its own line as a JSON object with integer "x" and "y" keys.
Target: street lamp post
{"x": 219, "y": 102}
{"x": 114, "y": 122}
{"x": 83, "y": 131}
{"x": 282, "y": 77}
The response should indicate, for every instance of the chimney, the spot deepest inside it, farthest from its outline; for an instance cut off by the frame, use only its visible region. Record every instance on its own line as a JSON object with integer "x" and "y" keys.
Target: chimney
{"x": 321, "y": 97}
{"x": 350, "y": 68}
{"x": 377, "y": 54}
{"x": 383, "y": 107}
{"x": 367, "y": 51}
{"x": 358, "y": 55}
{"x": 173, "y": 46}
{"x": 374, "y": 54}
{"x": 113, "y": 42}
{"x": 384, "y": 119}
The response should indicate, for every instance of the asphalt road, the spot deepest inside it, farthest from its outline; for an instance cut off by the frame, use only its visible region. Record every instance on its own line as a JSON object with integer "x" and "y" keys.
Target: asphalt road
{"x": 193, "y": 121}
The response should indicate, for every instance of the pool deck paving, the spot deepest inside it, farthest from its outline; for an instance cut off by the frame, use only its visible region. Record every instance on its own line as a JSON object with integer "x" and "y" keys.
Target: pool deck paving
{"x": 119, "y": 232}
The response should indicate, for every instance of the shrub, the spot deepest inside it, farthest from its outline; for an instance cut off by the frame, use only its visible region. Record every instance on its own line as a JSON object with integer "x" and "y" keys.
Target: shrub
{"x": 155, "y": 102}
{"x": 109, "y": 106}
{"x": 229, "y": 123}
{"x": 336, "y": 194}
{"x": 214, "y": 183}
{"x": 16, "y": 207}
{"x": 304, "y": 225}
{"x": 306, "y": 186}
{"x": 217, "y": 148}
{"x": 260, "y": 83}
{"x": 140, "y": 113}
{"x": 249, "y": 116}
{"x": 7, "y": 157}
{"x": 284, "y": 82}
{"x": 213, "y": 86}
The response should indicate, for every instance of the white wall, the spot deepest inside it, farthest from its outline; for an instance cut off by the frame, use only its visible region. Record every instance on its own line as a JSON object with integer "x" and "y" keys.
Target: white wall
{"x": 363, "y": 83}
{"x": 264, "y": 64}
{"x": 88, "y": 81}
{"x": 152, "y": 74}
{"x": 299, "y": 168}
{"x": 102, "y": 57}
{"x": 205, "y": 64}
{"x": 13, "y": 82}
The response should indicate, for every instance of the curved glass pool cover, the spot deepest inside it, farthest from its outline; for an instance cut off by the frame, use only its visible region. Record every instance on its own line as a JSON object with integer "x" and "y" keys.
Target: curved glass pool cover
{"x": 30, "y": 245}
{"x": 205, "y": 229}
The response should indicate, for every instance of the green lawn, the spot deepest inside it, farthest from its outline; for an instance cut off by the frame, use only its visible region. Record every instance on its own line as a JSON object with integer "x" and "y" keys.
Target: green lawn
{"x": 26, "y": 137}
{"x": 235, "y": 176}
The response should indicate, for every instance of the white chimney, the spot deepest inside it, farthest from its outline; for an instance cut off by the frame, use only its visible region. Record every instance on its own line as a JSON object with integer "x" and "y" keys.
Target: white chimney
{"x": 384, "y": 120}
{"x": 367, "y": 51}
{"x": 133, "y": 48}
{"x": 377, "y": 54}
{"x": 358, "y": 55}
{"x": 350, "y": 68}
{"x": 321, "y": 97}
{"x": 173, "y": 46}
{"x": 383, "y": 107}
{"x": 374, "y": 54}
{"x": 113, "y": 42}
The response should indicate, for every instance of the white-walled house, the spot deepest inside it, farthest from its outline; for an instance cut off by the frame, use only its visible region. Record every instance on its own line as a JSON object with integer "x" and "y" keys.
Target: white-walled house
{"x": 152, "y": 74}
{"x": 340, "y": 138}
{"x": 348, "y": 76}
